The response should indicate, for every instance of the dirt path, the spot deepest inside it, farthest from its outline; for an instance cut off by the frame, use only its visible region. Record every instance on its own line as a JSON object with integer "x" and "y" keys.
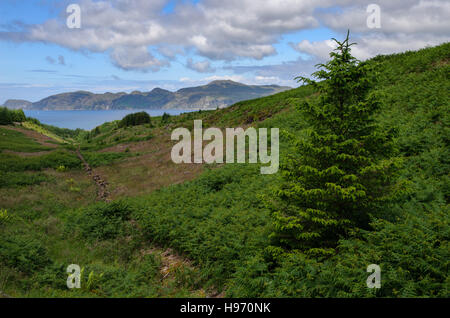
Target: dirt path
{"x": 103, "y": 193}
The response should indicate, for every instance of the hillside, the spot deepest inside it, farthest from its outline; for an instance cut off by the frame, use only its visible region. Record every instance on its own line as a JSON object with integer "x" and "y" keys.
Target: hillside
{"x": 203, "y": 231}
{"x": 218, "y": 94}
{"x": 17, "y": 104}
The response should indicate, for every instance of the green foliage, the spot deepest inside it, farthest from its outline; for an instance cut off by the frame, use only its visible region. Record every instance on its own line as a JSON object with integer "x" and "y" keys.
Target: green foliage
{"x": 61, "y": 168}
{"x": 16, "y": 141}
{"x": 25, "y": 255}
{"x": 411, "y": 242}
{"x": 109, "y": 134}
{"x": 220, "y": 223}
{"x": 413, "y": 254}
{"x": 14, "y": 163}
{"x": 4, "y": 217}
{"x": 8, "y": 116}
{"x": 135, "y": 119}
{"x": 165, "y": 118}
{"x": 19, "y": 179}
{"x": 101, "y": 221}
{"x": 92, "y": 282}
{"x": 337, "y": 177}
{"x": 218, "y": 219}
{"x": 96, "y": 159}
{"x": 53, "y": 130}
{"x": 5, "y": 116}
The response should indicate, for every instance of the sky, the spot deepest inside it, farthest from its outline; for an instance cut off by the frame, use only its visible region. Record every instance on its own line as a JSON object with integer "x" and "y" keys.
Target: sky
{"x": 129, "y": 45}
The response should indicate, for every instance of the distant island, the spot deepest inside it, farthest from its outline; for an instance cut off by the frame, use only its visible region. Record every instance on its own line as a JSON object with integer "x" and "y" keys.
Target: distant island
{"x": 217, "y": 94}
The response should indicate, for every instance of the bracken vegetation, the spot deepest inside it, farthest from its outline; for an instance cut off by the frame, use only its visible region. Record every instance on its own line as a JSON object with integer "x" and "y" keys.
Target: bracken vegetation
{"x": 227, "y": 229}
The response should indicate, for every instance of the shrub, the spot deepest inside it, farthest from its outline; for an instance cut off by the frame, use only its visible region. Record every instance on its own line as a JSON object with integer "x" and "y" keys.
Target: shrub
{"x": 165, "y": 118}
{"x": 26, "y": 255}
{"x": 4, "y": 217}
{"x": 101, "y": 221}
{"x": 8, "y": 116}
{"x": 61, "y": 168}
{"x": 10, "y": 162}
{"x": 135, "y": 119}
{"x": 18, "y": 179}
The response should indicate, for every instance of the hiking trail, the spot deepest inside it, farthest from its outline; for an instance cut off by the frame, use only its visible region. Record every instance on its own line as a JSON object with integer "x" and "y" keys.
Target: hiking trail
{"x": 103, "y": 193}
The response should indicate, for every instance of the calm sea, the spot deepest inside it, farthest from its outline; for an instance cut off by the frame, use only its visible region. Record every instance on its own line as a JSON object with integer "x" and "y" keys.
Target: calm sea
{"x": 88, "y": 119}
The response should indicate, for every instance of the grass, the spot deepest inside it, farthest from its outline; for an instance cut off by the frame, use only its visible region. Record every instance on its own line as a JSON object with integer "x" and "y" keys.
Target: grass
{"x": 17, "y": 141}
{"x": 15, "y": 163}
{"x": 40, "y": 129}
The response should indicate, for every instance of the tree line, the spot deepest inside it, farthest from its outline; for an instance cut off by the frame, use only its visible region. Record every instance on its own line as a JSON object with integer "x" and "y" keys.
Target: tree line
{"x": 10, "y": 116}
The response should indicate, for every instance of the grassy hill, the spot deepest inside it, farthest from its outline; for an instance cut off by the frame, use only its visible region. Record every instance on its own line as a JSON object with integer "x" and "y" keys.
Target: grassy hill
{"x": 195, "y": 230}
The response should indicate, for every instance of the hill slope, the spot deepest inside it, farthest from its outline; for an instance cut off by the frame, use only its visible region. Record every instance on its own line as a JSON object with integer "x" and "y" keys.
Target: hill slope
{"x": 217, "y": 220}
{"x": 17, "y": 104}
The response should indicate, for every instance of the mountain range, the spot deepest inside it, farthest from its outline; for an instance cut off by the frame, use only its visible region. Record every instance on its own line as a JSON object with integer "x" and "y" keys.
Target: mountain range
{"x": 217, "y": 94}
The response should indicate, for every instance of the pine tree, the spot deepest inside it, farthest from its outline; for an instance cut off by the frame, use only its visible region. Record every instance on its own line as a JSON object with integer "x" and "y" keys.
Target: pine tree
{"x": 335, "y": 179}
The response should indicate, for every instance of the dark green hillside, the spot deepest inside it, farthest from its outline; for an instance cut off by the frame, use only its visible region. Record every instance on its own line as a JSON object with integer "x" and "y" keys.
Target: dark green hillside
{"x": 216, "y": 222}
{"x": 415, "y": 92}
{"x": 17, "y": 141}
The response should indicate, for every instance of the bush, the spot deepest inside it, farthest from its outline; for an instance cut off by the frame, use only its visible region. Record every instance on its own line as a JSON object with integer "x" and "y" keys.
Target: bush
{"x": 18, "y": 179}
{"x": 8, "y": 116}
{"x": 5, "y": 116}
{"x": 4, "y": 217}
{"x": 13, "y": 163}
{"x": 101, "y": 221}
{"x": 135, "y": 119}
{"x": 23, "y": 254}
{"x": 165, "y": 118}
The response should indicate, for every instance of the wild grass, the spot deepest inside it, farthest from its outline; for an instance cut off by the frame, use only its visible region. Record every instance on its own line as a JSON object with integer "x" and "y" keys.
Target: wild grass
{"x": 17, "y": 141}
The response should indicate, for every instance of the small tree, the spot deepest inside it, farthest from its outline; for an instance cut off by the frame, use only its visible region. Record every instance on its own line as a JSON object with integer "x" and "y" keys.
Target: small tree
{"x": 165, "y": 118}
{"x": 135, "y": 119}
{"x": 18, "y": 116}
{"x": 334, "y": 179}
{"x": 5, "y": 116}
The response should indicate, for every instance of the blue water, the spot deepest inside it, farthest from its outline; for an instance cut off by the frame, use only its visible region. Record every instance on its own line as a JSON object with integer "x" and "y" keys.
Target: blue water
{"x": 88, "y": 119}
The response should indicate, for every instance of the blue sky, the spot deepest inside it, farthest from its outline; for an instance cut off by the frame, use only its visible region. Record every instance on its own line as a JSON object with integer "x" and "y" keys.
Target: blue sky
{"x": 127, "y": 45}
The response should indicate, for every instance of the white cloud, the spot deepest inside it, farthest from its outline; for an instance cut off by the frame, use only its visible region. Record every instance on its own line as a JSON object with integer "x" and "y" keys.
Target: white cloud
{"x": 201, "y": 67}
{"x": 370, "y": 45}
{"x": 220, "y": 30}
{"x": 135, "y": 58}
{"x": 405, "y": 16}
{"x": 236, "y": 29}
{"x": 320, "y": 49}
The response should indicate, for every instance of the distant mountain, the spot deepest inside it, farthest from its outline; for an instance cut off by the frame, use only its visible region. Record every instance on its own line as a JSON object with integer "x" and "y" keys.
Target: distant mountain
{"x": 215, "y": 94}
{"x": 80, "y": 100}
{"x": 17, "y": 104}
{"x": 220, "y": 94}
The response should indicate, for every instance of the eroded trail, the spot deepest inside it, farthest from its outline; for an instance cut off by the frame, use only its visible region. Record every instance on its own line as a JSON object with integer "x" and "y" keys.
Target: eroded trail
{"x": 171, "y": 262}
{"x": 102, "y": 185}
